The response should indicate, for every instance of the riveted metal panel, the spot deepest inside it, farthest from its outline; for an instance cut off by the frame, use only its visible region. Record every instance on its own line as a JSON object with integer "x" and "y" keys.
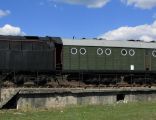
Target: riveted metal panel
{"x": 139, "y": 59}
{"x": 66, "y": 57}
{"x": 83, "y": 58}
{"x": 153, "y": 60}
{"x": 99, "y": 59}
{"x": 131, "y": 59}
{"x": 4, "y": 45}
{"x": 15, "y": 61}
{"x": 23, "y": 54}
{"x": 74, "y": 59}
{"x": 38, "y": 60}
{"x": 124, "y": 60}
{"x": 114, "y": 61}
{"x": 116, "y": 58}
{"x": 92, "y": 61}
{"x": 27, "y": 46}
{"x": 15, "y": 45}
{"x": 109, "y": 62}
{"x": 4, "y": 59}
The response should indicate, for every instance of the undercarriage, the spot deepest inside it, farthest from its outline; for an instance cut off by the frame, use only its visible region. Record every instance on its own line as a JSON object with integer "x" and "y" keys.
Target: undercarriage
{"x": 73, "y": 80}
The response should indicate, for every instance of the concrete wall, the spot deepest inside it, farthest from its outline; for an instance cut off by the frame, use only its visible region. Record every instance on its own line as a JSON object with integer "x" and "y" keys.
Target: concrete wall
{"x": 54, "y": 100}
{"x": 27, "y": 98}
{"x": 62, "y": 100}
{"x": 6, "y": 94}
{"x": 144, "y": 97}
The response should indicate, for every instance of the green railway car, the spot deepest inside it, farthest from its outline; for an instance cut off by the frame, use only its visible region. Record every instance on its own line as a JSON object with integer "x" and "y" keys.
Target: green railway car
{"x": 109, "y": 59}
{"x": 105, "y": 55}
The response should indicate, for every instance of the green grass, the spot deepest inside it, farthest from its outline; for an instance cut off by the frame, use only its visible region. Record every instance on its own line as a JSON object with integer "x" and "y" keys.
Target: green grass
{"x": 130, "y": 111}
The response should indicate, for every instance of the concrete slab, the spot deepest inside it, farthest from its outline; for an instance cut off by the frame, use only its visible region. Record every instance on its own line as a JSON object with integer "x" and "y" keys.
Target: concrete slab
{"x": 32, "y": 98}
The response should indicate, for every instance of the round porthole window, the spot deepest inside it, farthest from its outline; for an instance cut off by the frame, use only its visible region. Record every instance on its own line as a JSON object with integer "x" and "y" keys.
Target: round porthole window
{"x": 83, "y": 51}
{"x": 124, "y": 52}
{"x": 154, "y": 53}
{"x": 73, "y": 51}
{"x": 108, "y": 51}
{"x": 131, "y": 52}
{"x": 99, "y": 51}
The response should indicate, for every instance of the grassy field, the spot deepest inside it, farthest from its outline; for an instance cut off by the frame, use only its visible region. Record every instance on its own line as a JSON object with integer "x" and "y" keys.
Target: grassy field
{"x": 130, "y": 111}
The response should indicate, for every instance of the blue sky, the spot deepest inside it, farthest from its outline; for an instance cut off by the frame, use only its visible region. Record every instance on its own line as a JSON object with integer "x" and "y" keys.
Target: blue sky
{"x": 80, "y": 18}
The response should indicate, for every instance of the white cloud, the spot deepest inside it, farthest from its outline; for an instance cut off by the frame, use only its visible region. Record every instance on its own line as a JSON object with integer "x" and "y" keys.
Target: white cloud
{"x": 10, "y": 30}
{"x": 4, "y": 13}
{"x": 143, "y": 4}
{"x": 142, "y": 32}
{"x": 88, "y": 3}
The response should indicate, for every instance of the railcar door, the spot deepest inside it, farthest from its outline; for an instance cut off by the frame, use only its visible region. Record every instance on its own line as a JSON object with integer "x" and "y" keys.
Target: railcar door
{"x": 147, "y": 60}
{"x": 58, "y": 52}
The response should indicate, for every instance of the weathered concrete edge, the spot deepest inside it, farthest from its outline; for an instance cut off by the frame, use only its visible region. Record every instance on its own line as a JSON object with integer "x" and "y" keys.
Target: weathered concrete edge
{"x": 81, "y": 90}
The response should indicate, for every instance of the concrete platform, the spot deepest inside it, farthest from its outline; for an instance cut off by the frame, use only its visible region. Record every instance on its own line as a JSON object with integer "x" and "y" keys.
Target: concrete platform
{"x": 83, "y": 90}
{"x": 36, "y": 98}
